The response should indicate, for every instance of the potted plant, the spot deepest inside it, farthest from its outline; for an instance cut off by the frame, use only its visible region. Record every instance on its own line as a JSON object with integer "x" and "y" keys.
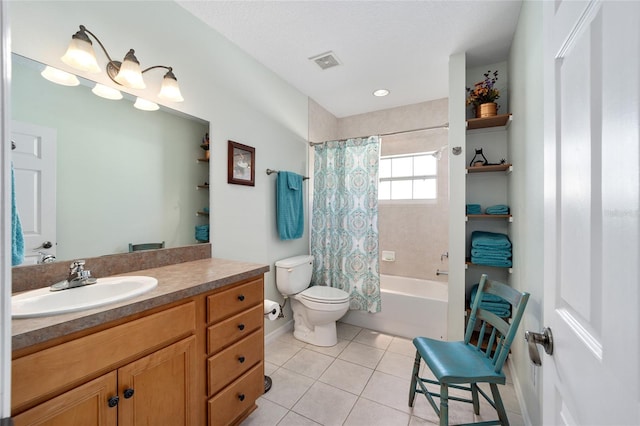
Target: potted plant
{"x": 205, "y": 145}
{"x": 484, "y": 94}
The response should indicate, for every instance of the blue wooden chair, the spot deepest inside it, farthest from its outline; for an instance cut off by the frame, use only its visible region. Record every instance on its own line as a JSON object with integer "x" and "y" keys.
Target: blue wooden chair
{"x": 463, "y": 365}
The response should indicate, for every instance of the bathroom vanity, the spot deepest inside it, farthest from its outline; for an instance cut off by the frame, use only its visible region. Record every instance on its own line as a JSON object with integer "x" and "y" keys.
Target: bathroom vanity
{"x": 189, "y": 352}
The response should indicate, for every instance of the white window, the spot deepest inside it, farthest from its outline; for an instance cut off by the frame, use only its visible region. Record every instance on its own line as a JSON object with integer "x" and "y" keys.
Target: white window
{"x": 408, "y": 177}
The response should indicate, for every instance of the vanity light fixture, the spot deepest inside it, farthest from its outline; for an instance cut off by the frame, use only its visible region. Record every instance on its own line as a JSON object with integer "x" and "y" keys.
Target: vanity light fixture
{"x": 381, "y": 92}
{"x": 81, "y": 56}
{"x": 60, "y": 77}
{"x": 106, "y": 92}
{"x": 145, "y": 105}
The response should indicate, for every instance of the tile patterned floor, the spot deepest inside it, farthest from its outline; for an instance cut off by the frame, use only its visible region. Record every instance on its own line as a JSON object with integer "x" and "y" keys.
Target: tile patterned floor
{"x": 363, "y": 380}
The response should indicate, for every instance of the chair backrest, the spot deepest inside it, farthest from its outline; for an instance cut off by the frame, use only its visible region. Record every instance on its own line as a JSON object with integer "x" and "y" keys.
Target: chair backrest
{"x": 495, "y": 332}
{"x": 145, "y": 246}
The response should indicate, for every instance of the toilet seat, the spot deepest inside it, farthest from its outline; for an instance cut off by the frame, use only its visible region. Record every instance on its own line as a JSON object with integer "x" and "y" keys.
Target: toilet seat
{"x": 324, "y": 294}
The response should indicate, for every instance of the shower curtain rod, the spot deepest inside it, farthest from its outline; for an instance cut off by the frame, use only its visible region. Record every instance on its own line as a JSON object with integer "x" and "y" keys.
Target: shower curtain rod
{"x": 441, "y": 126}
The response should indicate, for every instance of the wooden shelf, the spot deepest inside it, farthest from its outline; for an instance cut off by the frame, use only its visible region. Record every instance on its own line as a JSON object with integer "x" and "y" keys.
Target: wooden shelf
{"x": 507, "y": 167}
{"x": 202, "y": 213}
{"x": 490, "y": 216}
{"x": 502, "y": 120}
{"x": 203, "y": 160}
{"x": 203, "y": 186}
{"x": 475, "y": 265}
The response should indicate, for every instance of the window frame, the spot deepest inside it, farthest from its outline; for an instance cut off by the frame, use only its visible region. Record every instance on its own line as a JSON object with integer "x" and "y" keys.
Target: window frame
{"x": 411, "y": 178}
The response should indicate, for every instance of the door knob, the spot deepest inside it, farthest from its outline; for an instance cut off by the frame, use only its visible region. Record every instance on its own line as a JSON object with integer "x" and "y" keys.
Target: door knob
{"x": 544, "y": 339}
{"x": 45, "y": 245}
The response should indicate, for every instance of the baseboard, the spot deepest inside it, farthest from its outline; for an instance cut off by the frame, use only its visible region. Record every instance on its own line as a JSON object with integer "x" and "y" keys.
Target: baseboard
{"x": 286, "y": 328}
{"x": 519, "y": 395}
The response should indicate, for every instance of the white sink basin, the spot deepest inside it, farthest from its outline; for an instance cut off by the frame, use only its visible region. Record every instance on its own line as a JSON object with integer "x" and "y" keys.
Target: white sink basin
{"x": 43, "y": 302}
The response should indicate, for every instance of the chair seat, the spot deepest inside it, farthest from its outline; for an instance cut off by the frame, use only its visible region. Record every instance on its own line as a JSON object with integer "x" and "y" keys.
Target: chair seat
{"x": 457, "y": 362}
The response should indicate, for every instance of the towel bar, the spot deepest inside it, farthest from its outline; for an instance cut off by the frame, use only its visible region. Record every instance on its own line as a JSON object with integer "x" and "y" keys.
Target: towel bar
{"x": 271, "y": 171}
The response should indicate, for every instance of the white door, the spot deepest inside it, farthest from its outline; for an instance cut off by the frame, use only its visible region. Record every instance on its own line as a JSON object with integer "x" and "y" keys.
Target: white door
{"x": 592, "y": 200}
{"x": 34, "y": 163}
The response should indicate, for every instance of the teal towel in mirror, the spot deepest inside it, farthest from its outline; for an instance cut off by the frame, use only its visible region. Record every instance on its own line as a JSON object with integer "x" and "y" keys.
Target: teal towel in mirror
{"x": 17, "y": 237}
{"x": 289, "y": 205}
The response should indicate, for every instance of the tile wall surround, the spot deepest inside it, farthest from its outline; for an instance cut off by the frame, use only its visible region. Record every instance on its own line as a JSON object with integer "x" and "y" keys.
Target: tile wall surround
{"x": 36, "y": 276}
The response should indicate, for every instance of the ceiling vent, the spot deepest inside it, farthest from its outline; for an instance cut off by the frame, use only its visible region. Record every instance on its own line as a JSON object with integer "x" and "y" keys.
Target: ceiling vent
{"x": 326, "y": 60}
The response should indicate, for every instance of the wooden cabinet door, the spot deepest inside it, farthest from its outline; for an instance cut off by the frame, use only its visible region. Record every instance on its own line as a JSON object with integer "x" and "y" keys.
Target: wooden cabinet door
{"x": 159, "y": 389}
{"x": 86, "y": 405}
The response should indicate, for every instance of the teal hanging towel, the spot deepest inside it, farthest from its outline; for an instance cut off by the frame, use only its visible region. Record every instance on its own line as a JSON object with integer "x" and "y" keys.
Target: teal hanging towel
{"x": 289, "y": 205}
{"x": 17, "y": 237}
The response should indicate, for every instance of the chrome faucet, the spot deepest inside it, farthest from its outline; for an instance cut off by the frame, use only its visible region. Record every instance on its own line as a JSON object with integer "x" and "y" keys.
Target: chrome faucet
{"x": 78, "y": 277}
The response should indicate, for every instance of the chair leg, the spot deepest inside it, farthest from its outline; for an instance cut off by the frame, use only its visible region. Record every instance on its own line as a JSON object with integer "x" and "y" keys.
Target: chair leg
{"x": 444, "y": 404}
{"x": 474, "y": 397}
{"x": 414, "y": 379}
{"x": 502, "y": 414}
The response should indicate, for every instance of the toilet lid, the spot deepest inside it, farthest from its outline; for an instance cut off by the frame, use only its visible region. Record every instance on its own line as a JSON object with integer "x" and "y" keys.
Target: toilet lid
{"x": 322, "y": 293}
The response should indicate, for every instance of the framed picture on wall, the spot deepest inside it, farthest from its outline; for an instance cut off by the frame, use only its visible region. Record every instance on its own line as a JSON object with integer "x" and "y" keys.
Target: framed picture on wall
{"x": 241, "y": 166}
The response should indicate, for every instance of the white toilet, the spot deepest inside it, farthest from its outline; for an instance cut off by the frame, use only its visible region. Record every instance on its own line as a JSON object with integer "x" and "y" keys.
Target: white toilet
{"x": 315, "y": 309}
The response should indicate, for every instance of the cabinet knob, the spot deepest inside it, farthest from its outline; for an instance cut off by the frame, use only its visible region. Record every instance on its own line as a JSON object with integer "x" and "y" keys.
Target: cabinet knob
{"x": 240, "y": 327}
{"x": 241, "y": 297}
{"x": 128, "y": 393}
{"x": 241, "y": 397}
{"x": 241, "y": 359}
{"x": 113, "y": 401}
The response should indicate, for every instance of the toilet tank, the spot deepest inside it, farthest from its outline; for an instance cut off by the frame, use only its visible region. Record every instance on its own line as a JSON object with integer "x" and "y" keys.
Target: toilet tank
{"x": 294, "y": 274}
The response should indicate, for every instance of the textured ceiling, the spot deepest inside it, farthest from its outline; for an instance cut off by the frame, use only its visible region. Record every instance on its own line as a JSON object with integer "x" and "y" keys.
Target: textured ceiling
{"x": 403, "y": 46}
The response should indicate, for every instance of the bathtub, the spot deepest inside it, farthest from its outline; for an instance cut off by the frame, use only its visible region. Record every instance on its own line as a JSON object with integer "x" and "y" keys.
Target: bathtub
{"x": 410, "y": 307}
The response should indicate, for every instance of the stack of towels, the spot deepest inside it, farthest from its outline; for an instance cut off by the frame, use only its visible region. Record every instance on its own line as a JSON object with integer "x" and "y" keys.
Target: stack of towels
{"x": 474, "y": 209}
{"x": 497, "y": 209}
{"x": 202, "y": 233}
{"x": 492, "y": 303}
{"x": 491, "y": 249}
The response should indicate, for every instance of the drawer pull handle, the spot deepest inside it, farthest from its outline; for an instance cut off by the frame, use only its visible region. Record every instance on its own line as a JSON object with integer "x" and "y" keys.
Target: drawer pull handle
{"x": 241, "y": 397}
{"x": 113, "y": 401}
{"x": 128, "y": 393}
{"x": 241, "y": 298}
{"x": 240, "y": 327}
{"x": 241, "y": 359}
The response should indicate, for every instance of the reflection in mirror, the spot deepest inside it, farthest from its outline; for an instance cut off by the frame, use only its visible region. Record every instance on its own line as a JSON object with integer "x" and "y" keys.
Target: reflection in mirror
{"x": 122, "y": 175}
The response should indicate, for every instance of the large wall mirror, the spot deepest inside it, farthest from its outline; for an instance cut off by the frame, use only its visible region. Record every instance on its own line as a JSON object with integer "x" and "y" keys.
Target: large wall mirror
{"x": 122, "y": 175}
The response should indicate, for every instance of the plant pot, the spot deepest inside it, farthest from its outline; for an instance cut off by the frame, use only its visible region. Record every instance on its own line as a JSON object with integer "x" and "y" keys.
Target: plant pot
{"x": 487, "y": 110}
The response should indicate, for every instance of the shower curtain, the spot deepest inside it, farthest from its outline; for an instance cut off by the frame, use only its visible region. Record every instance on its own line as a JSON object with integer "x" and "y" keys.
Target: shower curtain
{"x": 344, "y": 226}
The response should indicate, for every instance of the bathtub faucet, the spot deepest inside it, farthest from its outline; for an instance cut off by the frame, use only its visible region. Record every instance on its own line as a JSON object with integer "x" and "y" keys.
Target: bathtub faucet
{"x": 444, "y": 255}
{"x": 439, "y": 272}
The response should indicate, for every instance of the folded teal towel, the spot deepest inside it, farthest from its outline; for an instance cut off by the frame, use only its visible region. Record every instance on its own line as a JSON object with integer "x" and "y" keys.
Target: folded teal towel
{"x": 289, "y": 205}
{"x": 483, "y": 239}
{"x": 497, "y": 209}
{"x": 474, "y": 209}
{"x": 17, "y": 237}
{"x": 491, "y": 254}
{"x": 202, "y": 233}
{"x": 492, "y": 303}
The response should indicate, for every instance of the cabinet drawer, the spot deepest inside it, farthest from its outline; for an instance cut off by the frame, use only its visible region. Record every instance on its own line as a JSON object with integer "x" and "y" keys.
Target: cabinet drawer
{"x": 231, "y": 363}
{"x": 233, "y": 329}
{"x": 229, "y": 302}
{"x": 237, "y": 398}
{"x": 44, "y": 373}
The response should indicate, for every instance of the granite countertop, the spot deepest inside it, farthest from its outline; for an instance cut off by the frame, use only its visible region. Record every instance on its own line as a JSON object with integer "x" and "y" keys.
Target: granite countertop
{"x": 175, "y": 282}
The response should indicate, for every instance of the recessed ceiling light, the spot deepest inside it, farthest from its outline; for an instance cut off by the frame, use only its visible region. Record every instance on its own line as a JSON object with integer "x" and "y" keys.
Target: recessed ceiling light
{"x": 381, "y": 92}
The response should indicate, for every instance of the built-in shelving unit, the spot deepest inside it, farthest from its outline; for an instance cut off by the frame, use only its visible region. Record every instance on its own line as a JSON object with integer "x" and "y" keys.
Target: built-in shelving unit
{"x": 478, "y": 136}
